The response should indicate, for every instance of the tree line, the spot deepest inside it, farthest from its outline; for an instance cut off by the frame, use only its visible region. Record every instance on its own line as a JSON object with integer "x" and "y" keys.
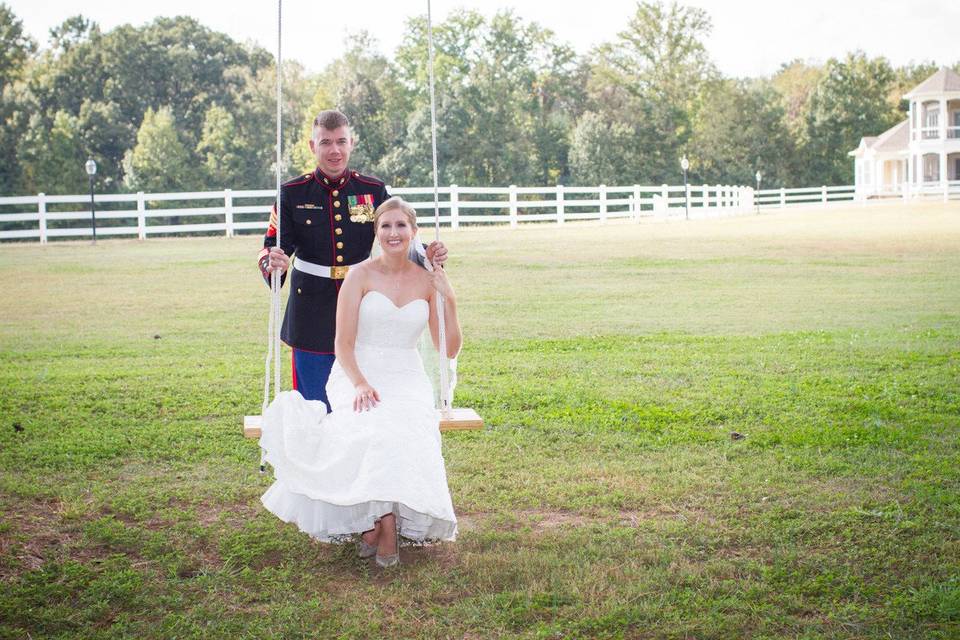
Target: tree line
{"x": 173, "y": 105}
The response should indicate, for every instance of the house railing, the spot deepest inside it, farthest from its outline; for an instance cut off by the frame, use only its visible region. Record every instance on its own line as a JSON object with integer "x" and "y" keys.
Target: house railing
{"x": 228, "y": 212}
{"x": 953, "y": 132}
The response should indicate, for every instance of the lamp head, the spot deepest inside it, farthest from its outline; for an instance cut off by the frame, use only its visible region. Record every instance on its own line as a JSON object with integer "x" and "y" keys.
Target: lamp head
{"x": 684, "y": 163}
{"x": 91, "y": 167}
{"x": 759, "y": 176}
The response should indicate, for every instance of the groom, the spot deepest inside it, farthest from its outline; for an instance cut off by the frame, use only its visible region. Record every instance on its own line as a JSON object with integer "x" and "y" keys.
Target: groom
{"x": 326, "y": 219}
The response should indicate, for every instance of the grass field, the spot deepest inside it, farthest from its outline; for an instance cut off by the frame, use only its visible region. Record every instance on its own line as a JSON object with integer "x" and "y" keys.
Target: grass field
{"x": 605, "y": 499}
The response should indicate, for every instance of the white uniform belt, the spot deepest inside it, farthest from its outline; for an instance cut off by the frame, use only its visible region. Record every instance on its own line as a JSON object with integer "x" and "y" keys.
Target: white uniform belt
{"x": 334, "y": 273}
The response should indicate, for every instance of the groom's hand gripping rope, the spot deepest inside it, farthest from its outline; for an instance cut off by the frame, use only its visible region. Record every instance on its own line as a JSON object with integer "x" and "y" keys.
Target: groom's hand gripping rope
{"x": 279, "y": 261}
{"x": 437, "y": 253}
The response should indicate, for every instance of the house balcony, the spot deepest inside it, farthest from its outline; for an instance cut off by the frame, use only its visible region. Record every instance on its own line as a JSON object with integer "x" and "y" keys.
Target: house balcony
{"x": 933, "y": 134}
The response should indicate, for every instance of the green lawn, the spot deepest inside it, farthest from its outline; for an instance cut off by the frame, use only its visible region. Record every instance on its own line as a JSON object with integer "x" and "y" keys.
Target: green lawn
{"x": 605, "y": 499}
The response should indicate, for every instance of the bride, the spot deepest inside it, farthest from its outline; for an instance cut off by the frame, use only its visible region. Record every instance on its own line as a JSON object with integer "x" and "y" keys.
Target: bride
{"x": 373, "y": 465}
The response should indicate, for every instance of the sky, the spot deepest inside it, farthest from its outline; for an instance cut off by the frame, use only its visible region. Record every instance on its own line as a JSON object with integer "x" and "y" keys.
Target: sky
{"x": 749, "y": 38}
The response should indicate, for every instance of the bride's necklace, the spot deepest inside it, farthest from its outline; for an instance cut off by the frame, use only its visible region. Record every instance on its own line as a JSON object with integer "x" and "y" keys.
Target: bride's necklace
{"x": 397, "y": 278}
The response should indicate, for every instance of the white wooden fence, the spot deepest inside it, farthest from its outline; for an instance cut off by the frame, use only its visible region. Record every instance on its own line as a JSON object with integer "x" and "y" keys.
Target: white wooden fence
{"x": 43, "y": 217}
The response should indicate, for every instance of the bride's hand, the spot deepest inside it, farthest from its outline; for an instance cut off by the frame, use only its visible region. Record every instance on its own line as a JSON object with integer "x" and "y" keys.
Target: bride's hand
{"x": 442, "y": 283}
{"x": 366, "y": 398}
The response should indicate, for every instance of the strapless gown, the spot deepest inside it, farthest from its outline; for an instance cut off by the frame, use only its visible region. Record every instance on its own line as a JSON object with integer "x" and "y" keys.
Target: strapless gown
{"x": 337, "y": 472}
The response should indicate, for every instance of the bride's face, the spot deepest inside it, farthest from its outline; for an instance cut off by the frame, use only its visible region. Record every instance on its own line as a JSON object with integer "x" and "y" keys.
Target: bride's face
{"x": 395, "y": 231}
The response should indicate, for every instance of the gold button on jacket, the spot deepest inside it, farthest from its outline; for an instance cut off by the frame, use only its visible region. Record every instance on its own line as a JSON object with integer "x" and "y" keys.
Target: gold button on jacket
{"x": 329, "y": 238}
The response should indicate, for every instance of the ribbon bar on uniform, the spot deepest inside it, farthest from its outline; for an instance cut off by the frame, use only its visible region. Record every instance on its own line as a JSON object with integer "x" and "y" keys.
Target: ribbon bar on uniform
{"x": 334, "y": 273}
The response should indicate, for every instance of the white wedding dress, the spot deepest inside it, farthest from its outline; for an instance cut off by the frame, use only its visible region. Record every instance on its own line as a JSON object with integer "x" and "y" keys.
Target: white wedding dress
{"x": 336, "y": 473}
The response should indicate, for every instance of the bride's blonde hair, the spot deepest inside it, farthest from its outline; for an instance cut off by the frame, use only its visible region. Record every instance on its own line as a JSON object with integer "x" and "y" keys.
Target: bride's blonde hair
{"x": 396, "y": 202}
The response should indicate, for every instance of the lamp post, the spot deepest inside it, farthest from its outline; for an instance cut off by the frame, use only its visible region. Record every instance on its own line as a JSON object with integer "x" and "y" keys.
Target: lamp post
{"x": 91, "y": 167}
{"x": 685, "y": 164}
{"x": 756, "y": 196}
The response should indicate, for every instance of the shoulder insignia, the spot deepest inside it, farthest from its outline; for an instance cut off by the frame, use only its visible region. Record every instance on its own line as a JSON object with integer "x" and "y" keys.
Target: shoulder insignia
{"x": 298, "y": 180}
{"x": 368, "y": 179}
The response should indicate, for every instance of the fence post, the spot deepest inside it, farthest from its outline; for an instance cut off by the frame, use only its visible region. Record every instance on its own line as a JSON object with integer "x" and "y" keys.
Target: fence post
{"x": 560, "y": 207}
{"x": 603, "y": 204}
{"x": 513, "y": 205}
{"x": 665, "y": 194}
{"x": 228, "y": 211}
{"x": 783, "y": 197}
{"x": 42, "y": 216}
{"x": 823, "y": 194}
{"x": 141, "y": 217}
{"x": 454, "y": 207}
{"x": 704, "y": 201}
{"x": 636, "y": 203}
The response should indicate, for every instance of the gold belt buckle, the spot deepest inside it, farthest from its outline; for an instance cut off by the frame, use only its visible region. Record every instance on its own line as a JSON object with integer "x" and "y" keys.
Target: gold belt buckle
{"x": 339, "y": 273}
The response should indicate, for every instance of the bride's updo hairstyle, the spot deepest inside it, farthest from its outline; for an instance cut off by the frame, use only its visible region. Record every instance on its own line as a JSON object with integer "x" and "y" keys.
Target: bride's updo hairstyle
{"x": 396, "y": 202}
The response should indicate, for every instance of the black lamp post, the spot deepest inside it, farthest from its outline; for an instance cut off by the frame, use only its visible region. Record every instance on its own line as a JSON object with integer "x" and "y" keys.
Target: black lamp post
{"x": 756, "y": 196}
{"x": 685, "y": 164}
{"x": 91, "y": 167}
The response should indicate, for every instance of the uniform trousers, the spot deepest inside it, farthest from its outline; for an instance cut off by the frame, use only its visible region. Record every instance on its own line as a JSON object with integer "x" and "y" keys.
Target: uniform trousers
{"x": 310, "y": 373}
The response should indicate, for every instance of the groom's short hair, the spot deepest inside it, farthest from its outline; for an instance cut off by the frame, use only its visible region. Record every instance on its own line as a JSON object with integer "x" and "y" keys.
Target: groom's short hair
{"x": 330, "y": 119}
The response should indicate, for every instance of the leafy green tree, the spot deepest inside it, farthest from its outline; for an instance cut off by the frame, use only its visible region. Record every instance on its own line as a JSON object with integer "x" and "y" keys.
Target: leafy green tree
{"x": 603, "y": 152}
{"x": 740, "y": 128}
{"x": 16, "y": 47}
{"x": 112, "y": 79}
{"x": 16, "y": 51}
{"x": 650, "y": 80}
{"x": 795, "y": 82}
{"x": 107, "y": 136}
{"x": 53, "y": 156}
{"x": 502, "y": 86}
{"x": 850, "y": 101}
{"x": 160, "y": 161}
{"x": 221, "y": 148}
{"x": 255, "y": 117}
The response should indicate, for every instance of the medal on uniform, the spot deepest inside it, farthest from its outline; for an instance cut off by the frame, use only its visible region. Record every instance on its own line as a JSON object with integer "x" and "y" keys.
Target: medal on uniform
{"x": 361, "y": 207}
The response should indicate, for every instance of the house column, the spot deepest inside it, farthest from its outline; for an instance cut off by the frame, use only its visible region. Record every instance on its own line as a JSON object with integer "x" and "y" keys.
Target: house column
{"x": 943, "y": 167}
{"x": 943, "y": 120}
{"x": 909, "y": 183}
{"x": 911, "y": 125}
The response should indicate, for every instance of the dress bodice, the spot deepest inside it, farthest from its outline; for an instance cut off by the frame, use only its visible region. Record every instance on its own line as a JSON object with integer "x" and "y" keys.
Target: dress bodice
{"x": 381, "y": 323}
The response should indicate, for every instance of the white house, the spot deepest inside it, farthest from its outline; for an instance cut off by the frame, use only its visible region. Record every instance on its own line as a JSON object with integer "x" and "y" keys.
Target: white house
{"x": 923, "y": 151}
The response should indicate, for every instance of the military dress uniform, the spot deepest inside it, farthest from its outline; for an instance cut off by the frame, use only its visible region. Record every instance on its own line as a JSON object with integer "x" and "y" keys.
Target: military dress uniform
{"x": 326, "y": 224}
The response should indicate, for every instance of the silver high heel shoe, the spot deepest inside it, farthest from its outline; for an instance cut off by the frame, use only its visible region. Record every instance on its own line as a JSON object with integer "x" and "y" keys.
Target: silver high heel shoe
{"x": 388, "y": 561}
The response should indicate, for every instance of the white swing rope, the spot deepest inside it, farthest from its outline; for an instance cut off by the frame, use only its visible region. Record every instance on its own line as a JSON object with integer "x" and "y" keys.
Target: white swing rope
{"x": 441, "y": 303}
{"x": 273, "y": 324}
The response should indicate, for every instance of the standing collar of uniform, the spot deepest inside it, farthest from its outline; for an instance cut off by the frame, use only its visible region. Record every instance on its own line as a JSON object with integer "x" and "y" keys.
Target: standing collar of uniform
{"x": 332, "y": 183}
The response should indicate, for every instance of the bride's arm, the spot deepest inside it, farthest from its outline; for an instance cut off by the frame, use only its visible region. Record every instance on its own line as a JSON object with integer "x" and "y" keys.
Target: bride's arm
{"x": 451, "y": 324}
{"x": 348, "y": 314}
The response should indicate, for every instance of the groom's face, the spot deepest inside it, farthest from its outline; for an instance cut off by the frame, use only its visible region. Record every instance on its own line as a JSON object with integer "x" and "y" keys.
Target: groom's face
{"x": 332, "y": 150}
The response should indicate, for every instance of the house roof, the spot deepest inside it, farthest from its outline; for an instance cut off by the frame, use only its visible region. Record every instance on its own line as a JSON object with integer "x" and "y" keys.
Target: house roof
{"x": 893, "y": 140}
{"x": 945, "y": 80}
{"x": 896, "y": 138}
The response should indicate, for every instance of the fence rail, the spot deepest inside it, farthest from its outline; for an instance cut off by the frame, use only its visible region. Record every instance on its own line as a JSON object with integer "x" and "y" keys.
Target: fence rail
{"x": 232, "y": 212}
